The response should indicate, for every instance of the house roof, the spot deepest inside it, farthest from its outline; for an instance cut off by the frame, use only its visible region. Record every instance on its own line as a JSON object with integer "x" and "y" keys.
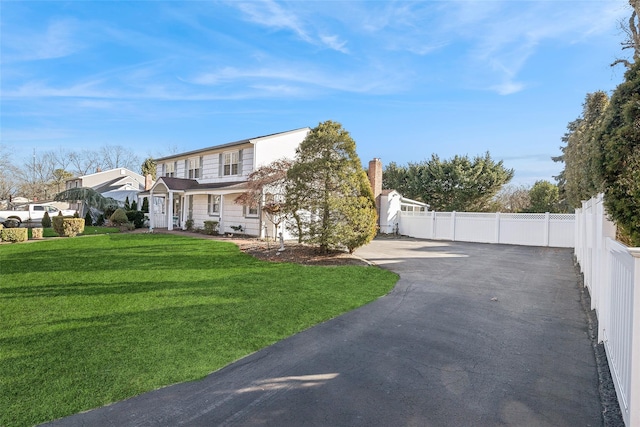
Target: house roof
{"x": 227, "y": 145}
{"x": 183, "y": 184}
{"x": 127, "y": 173}
{"x": 111, "y": 185}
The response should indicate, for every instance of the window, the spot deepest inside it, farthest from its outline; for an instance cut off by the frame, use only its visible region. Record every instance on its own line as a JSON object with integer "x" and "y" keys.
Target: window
{"x": 195, "y": 168}
{"x": 214, "y": 205}
{"x": 250, "y": 211}
{"x": 170, "y": 169}
{"x": 230, "y": 163}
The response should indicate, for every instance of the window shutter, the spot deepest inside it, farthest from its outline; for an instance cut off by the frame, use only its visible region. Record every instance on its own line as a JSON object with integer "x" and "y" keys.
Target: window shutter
{"x": 220, "y": 165}
{"x": 239, "y": 162}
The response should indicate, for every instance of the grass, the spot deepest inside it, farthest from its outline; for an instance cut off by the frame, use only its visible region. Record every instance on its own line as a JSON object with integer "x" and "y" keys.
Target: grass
{"x": 86, "y": 322}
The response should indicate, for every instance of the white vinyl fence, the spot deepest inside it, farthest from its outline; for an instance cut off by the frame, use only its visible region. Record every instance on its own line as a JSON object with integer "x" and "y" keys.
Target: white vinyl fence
{"x": 528, "y": 229}
{"x": 612, "y": 274}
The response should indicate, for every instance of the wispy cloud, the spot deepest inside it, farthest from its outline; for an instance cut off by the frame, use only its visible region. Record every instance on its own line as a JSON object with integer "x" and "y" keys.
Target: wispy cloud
{"x": 57, "y": 40}
{"x": 273, "y": 15}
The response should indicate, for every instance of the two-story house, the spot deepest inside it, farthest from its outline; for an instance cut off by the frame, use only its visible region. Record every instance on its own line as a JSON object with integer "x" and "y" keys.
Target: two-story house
{"x": 204, "y": 185}
{"x": 118, "y": 184}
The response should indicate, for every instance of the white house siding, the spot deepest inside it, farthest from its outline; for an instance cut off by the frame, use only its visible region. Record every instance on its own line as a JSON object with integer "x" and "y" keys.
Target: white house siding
{"x": 267, "y": 151}
{"x": 233, "y": 215}
{"x": 211, "y": 166}
{"x": 200, "y": 213}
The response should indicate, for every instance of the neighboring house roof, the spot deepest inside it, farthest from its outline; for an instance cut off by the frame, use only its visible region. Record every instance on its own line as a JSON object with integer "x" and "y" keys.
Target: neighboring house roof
{"x": 227, "y": 145}
{"x": 114, "y": 184}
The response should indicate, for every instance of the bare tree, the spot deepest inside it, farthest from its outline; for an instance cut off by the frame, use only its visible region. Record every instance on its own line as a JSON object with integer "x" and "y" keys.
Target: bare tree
{"x": 512, "y": 199}
{"x": 8, "y": 175}
{"x": 117, "y": 156}
{"x": 632, "y": 30}
{"x": 267, "y": 190}
{"x": 85, "y": 162}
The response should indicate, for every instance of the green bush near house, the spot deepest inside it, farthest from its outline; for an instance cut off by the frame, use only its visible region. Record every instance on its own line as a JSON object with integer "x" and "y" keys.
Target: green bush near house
{"x": 14, "y": 235}
{"x": 211, "y": 227}
{"x": 68, "y": 227}
{"x": 79, "y": 332}
{"x": 119, "y": 217}
{"x": 136, "y": 218}
{"x": 46, "y": 220}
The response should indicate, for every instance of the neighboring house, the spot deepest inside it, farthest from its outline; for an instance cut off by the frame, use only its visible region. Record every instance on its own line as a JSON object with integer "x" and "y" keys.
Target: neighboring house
{"x": 204, "y": 185}
{"x": 118, "y": 183}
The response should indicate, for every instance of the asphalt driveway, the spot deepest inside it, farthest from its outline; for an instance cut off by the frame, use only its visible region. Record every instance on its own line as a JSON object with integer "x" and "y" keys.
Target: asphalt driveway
{"x": 472, "y": 335}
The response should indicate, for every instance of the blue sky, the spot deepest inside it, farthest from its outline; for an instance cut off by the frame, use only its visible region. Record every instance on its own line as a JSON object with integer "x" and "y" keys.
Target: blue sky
{"x": 406, "y": 79}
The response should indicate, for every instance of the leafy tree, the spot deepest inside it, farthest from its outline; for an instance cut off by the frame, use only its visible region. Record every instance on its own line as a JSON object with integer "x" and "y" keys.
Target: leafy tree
{"x": 544, "y": 197}
{"x": 620, "y": 156}
{"x": 459, "y": 184}
{"x": 328, "y": 184}
{"x": 149, "y": 167}
{"x": 580, "y": 178}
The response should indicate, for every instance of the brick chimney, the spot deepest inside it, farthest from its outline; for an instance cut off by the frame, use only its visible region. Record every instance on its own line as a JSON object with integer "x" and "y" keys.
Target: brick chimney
{"x": 375, "y": 178}
{"x": 148, "y": 182}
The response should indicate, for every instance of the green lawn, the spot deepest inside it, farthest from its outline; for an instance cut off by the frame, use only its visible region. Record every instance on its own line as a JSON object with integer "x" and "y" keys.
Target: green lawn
{"x": 89, "y": 321}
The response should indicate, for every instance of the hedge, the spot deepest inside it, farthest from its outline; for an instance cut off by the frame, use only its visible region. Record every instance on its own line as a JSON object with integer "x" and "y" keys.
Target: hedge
{"x": 68, "y": 227}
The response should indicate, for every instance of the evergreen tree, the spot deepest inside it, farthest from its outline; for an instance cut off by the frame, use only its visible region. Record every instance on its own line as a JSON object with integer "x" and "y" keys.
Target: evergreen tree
{"x": 88, "y": 220}
{"x": 459, "y": 184}
{"x": 134, "y": 206}
{"x": 329, "y": 192}
{"x": 149, "y": 168}
{"x": 127, "y": 206}
{"x": 145, "y": 205}
{"x": 46, "y": 220}
{"x": 620, "y": 156}
{"x": 580, "y": 178}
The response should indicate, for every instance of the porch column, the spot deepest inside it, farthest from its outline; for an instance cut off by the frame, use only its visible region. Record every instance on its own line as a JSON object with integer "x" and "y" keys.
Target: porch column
{"x": 170, "y": 212}
{"x": 220, "y": 225}
{"x": 151, "y": 212}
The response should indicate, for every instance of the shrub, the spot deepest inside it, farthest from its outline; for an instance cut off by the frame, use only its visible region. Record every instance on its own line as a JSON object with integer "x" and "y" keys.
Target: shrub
{"x": 46, "y": 220}
{"x": 100, "y": 220}
{"x": 119, "y": 217}
{"x": 136, "y": 217}
{"x": 134, "y": 206}
{"x": 189, "y": 225}
{"x": 211, "y": 227}
{"x": 68, "y": 227}
{"x": 127, "y": 207}
{"x": 145, "y": 205}
{"x": 76, "y": 214}
{"x": 88, "y": 220}
{"x": 36, "y": 233}
{"x": 14, "y": 235}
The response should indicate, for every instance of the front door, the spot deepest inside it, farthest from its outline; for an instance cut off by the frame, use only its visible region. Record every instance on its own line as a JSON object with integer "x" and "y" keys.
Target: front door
{"x": 176, "y": 212}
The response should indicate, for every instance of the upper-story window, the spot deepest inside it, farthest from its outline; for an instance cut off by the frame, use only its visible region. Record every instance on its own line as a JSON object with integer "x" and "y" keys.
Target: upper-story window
{"x": 231, "y": 163}
{"x": 169, "y": 169}
{"x": 194, "y": 167}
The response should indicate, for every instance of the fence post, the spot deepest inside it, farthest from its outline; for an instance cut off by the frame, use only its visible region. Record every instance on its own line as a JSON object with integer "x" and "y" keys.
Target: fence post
{"x": 497, "y": 238}
{"x": 546, "y": 228}
{"x": 634, "y": 392}
{"x": 453, "y": 226}
{"x": 432, "y": 226}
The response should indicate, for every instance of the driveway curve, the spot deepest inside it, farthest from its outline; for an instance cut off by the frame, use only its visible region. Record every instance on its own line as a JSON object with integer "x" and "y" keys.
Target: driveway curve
{"x": 472, "y": 335}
